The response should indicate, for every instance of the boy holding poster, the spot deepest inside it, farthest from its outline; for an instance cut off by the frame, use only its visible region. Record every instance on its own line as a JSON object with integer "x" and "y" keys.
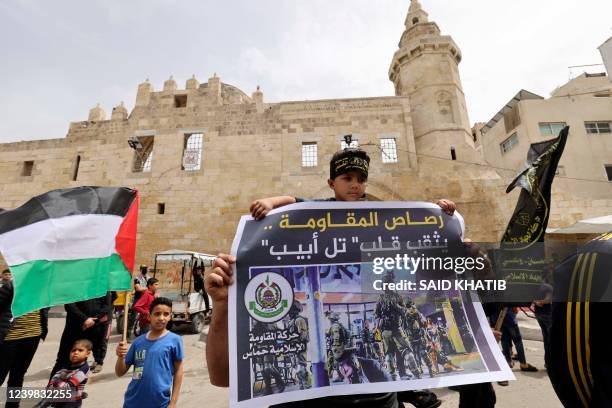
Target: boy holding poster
{"x": 348, "y": 177}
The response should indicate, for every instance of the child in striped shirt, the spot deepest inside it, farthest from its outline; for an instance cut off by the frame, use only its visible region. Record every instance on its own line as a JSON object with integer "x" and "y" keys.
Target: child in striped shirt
{"x": 74, "y": 376}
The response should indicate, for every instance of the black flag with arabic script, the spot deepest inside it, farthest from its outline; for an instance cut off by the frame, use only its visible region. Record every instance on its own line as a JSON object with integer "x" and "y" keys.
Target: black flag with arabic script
{"x": 530, "y": 217}
{"x": 522, "y": 258}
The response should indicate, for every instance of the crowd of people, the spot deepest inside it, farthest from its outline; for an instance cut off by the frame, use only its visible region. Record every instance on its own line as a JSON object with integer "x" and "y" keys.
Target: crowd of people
{"x": 156, "y": 351}
{"x": 157, "y": 354}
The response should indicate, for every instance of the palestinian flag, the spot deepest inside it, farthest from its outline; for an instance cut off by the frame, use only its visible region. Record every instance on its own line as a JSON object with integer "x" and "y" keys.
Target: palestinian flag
{"x": 70, "y": 245}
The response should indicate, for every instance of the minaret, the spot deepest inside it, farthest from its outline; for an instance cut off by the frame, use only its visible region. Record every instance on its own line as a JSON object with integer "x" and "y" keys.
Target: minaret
{"x": 425, "y": 68}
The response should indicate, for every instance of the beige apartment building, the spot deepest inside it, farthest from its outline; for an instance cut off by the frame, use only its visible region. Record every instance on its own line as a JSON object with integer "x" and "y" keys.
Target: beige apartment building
{"x": 201, "y": 153}
{"x": 584, "y": 104}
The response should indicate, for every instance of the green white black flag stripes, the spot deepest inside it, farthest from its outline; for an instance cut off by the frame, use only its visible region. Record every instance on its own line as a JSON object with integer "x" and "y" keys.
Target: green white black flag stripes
{"x": 70, "y": 245}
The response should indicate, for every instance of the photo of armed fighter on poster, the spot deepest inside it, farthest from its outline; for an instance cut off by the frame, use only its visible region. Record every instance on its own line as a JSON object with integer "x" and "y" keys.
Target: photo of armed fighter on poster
{"x": 323, "y": 319}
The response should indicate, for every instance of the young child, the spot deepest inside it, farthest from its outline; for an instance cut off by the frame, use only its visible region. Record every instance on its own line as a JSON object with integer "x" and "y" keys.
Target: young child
{"x": 144, "y": 303}
{"x": 72, "y": 377}
{"x": 157, "y": 358}
{"x": 348, "y": 175}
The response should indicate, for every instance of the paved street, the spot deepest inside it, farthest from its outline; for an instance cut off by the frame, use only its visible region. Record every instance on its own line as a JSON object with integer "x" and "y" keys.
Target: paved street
{"x": 105, "y": 390}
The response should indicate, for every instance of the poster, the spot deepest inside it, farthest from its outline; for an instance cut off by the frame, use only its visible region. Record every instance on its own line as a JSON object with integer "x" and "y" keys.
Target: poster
{"x": 338, "y": 298}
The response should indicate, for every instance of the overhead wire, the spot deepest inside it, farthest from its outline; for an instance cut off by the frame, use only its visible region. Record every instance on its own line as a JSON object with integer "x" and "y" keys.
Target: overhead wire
{"x": 515, "y": 171}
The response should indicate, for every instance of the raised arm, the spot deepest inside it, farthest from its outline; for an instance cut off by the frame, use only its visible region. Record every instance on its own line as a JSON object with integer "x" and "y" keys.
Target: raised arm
{"x": 217, "y": 280}
{"x": 259, "y": 208}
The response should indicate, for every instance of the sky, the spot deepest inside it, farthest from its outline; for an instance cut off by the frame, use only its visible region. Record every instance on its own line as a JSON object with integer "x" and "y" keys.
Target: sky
{"x": 59, "y": 58}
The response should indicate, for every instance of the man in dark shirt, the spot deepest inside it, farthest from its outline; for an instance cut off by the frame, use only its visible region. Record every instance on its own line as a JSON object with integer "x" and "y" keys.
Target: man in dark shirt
{"x": 85, "y": 320}
{"x": 6, "y": 298}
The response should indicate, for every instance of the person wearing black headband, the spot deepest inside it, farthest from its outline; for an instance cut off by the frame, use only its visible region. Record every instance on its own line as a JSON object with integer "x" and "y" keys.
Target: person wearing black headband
{"x": 348, "y": 175}
{"x": 348, "y": 160}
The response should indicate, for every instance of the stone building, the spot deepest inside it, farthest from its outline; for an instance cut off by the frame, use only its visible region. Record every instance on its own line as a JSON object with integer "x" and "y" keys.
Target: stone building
{"x": 203, "y": 153}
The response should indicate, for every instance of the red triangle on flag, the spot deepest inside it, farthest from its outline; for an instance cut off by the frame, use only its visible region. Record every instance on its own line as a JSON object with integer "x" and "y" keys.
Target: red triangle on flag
{"x": 125, "y": 242}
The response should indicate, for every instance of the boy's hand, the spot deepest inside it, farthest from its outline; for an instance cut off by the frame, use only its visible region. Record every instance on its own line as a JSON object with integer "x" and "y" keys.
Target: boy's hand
{"x": 497, "y": 334}
{"x": 219, "y": 277}
{"x": 122, "y": 349}
{"x": 259, "y": 208}
{"x": 447, "y": 206}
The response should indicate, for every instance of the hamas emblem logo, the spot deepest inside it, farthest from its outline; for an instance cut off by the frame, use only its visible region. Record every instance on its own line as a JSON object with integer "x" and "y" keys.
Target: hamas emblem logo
{"x": 268, "y": 297}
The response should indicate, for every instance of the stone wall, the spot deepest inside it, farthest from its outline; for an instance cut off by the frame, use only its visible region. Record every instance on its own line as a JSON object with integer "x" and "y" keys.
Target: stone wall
{"x": 252, "y": 150}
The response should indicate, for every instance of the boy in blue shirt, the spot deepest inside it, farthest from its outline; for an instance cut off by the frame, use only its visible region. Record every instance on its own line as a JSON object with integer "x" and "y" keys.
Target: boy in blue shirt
{"x": 157, "y": 358}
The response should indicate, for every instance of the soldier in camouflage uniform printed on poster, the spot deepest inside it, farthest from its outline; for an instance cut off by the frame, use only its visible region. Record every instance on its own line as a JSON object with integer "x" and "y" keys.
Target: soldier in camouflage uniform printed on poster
{"x": 370, "y": 346}
{"x": 344, "y": 366}
{"x": 415, "y": 325}
{"x": 342, "y": 363}
{"x": 447, "y": 345}
{"x": 267, "y": 364}
{"x": 298, "y": 324}
{"x": 389, "y": 313}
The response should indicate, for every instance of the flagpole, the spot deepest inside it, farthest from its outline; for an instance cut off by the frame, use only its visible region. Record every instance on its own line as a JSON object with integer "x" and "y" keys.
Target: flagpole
{"x": 126, "y": 319}
{"x": 500, "y": 319}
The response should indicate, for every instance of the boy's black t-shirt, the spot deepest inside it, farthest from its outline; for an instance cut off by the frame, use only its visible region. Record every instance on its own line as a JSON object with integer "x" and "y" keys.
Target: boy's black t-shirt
{"x": 384, "y": 400}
